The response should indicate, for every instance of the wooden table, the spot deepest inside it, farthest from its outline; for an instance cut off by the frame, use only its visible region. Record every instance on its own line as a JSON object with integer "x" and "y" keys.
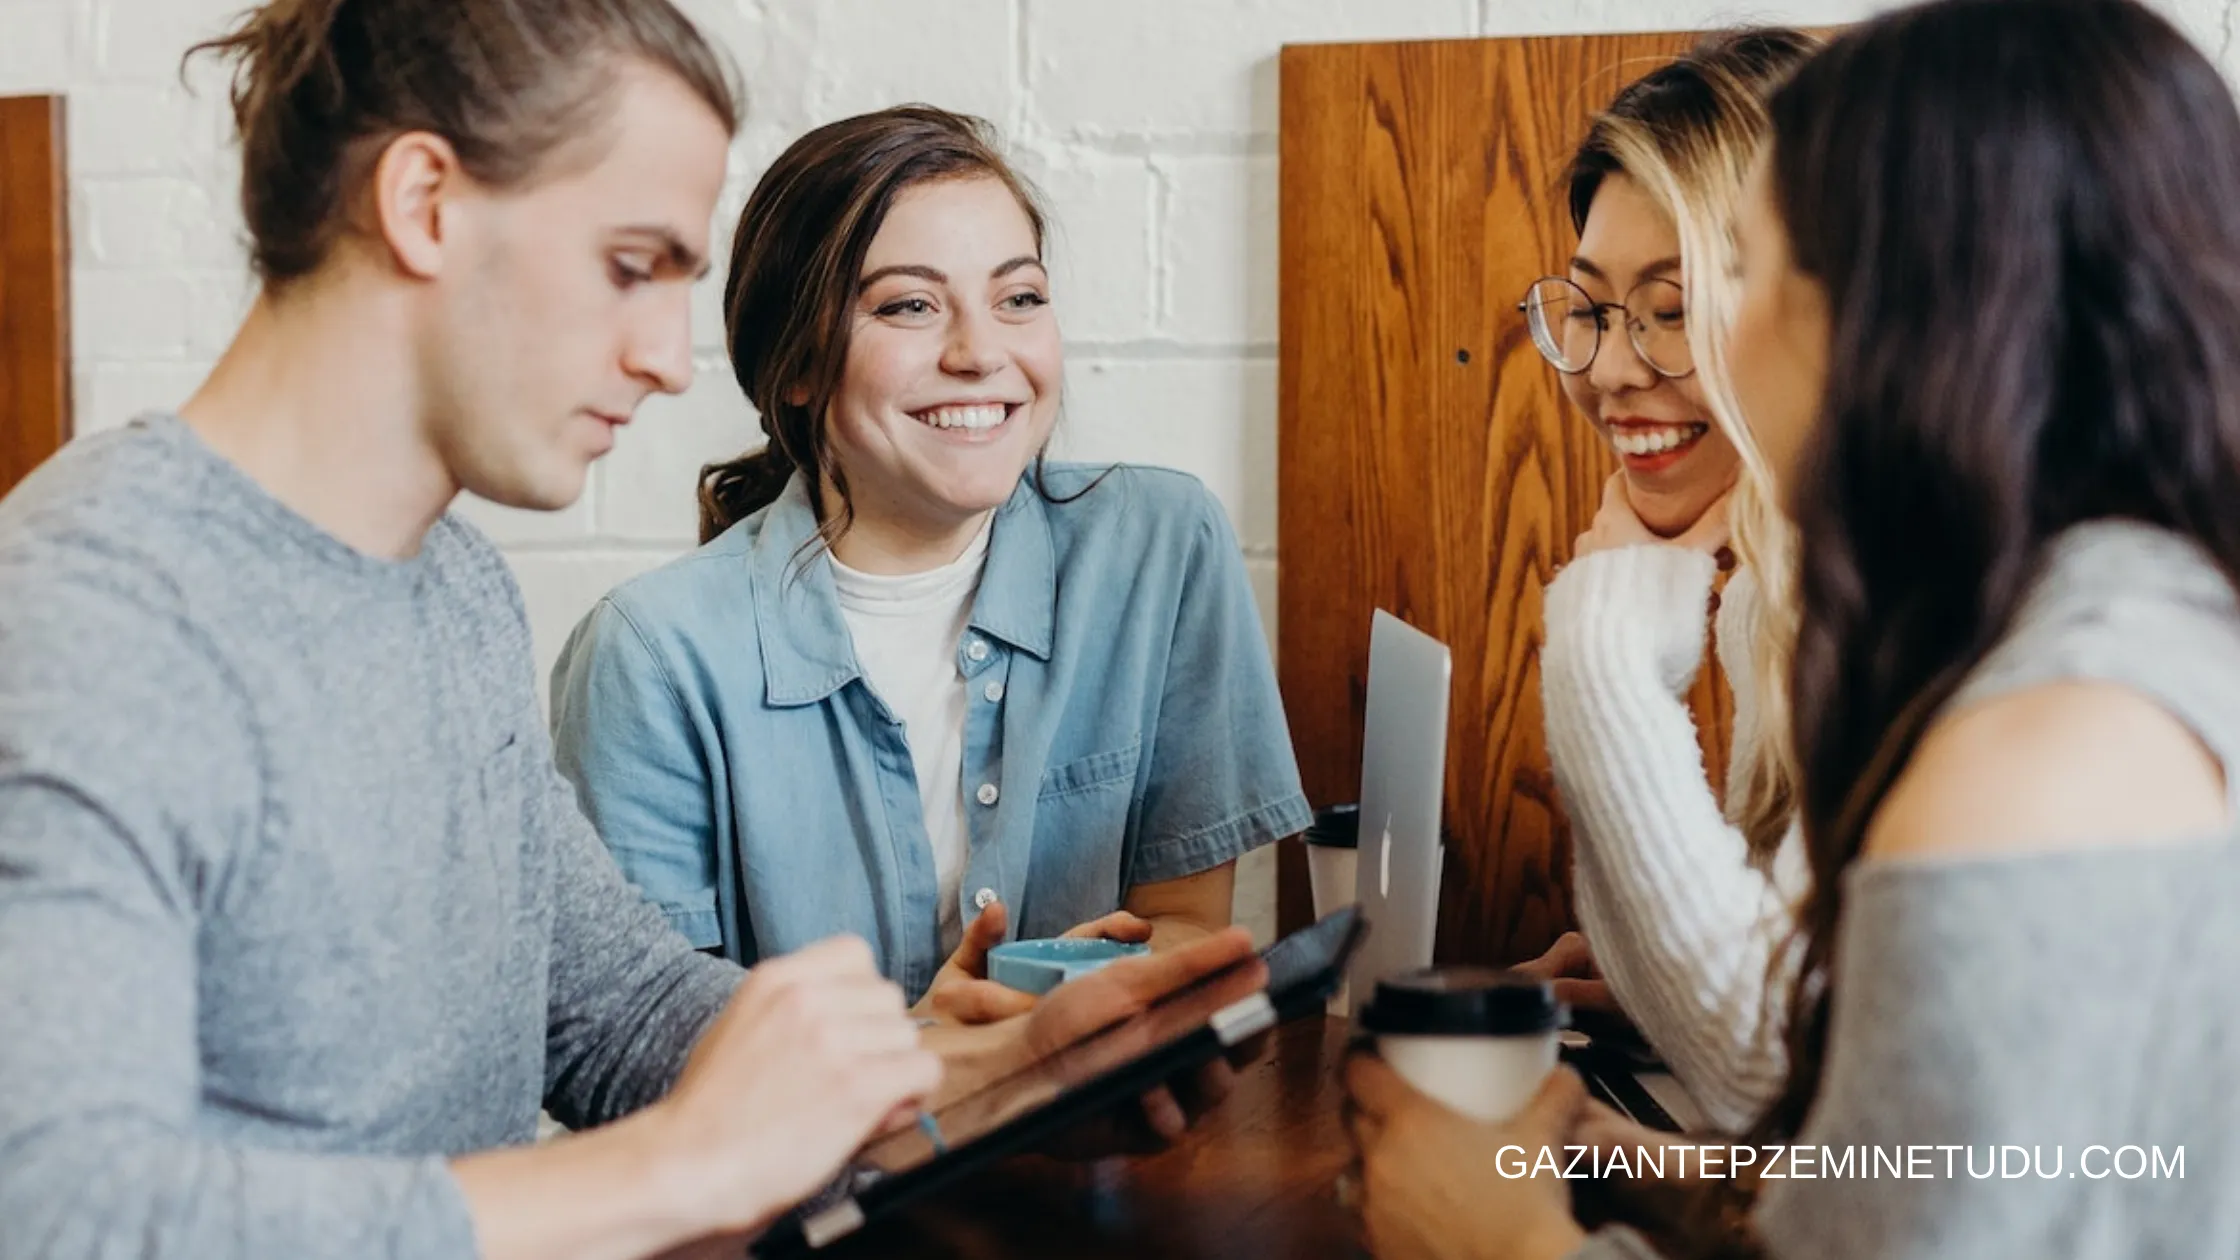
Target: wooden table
{"x": 1254, "y": 1179}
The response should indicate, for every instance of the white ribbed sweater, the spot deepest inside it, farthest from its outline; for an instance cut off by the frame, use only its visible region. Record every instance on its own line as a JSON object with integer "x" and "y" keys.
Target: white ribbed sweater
{"x": 1682, "y": 924}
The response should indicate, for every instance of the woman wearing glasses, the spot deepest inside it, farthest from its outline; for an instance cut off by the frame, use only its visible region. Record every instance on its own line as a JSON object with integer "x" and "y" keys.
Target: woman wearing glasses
{"x": 1989, "y": 333}
{"x": 1685, "y": 903}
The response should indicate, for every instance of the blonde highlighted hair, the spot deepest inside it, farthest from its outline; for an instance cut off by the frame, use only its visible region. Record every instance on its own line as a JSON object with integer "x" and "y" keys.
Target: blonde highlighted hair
{"x": 1686, "y": 134}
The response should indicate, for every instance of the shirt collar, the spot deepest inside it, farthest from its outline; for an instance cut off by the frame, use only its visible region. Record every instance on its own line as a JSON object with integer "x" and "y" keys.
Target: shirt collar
{"x": 807, "y": 653}
{"x": 1018, "y": 600}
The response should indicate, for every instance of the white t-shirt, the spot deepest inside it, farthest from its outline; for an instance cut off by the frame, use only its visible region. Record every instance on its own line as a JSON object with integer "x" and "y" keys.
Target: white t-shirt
{"x": 906, "y": 630}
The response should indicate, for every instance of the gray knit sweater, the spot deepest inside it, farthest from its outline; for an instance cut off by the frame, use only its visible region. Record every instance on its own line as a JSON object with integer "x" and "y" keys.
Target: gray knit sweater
{"x": 292, "y": 903}
{"x": 2068, "y": 1005}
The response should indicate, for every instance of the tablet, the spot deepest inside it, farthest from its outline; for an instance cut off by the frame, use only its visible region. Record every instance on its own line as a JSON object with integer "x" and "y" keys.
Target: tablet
{"x": 1097, "y": 1075}
{"x": 1613, "y": 1077}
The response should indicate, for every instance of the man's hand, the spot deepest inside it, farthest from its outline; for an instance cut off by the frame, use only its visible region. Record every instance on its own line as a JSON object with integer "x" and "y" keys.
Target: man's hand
{"x": 1127, "y": 988}
{"x": 1097, "y": 1001}
{"x": 812, "y": 1056}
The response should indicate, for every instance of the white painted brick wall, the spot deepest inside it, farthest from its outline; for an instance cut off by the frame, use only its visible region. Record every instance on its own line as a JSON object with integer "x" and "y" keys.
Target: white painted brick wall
{"x": 646, "y": 491}
{"x": 34, "y": 42}
{"x": 1214, "y": 415}
{"x": 1149, "y": 123}
{"x": 1194, "y": 74}
{"x": 1103, "y": 260}
{"x": 1217, "y": 250}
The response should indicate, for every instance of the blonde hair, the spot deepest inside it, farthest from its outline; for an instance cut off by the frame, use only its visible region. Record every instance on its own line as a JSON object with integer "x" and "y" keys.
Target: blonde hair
{"x": 1687, "y": 134}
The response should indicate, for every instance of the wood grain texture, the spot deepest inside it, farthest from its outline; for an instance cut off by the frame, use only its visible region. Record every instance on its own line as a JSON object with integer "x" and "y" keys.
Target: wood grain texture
{"x": 34, "y": 286}
{"x": 1428, "y": 463}
{"x": 1254, "y": 1181}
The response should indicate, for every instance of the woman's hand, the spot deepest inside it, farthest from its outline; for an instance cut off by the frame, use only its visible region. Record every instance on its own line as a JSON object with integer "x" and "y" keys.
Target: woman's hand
{"x": 1437, "y": 1184}
{"x": 1616, "y": 525}
{"x": 1128, "y": 987}
{"x": 961, "y": 992}
{"x": 1569, "y": 965}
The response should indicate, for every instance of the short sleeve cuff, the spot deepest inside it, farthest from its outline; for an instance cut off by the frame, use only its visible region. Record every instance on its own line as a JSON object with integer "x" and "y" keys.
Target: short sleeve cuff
{"x": 1176, "y": 857}
{"x": 697, "y": 921}
{"x": 434, "y": 1220}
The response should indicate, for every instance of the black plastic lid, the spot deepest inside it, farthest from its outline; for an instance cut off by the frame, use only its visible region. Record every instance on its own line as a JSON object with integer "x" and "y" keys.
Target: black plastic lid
{"x": 1336, "y": 827}
{"x": 1463, "y": 1002}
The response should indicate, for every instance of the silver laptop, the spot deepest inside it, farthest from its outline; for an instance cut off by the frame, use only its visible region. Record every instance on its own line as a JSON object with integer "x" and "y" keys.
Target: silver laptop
{"x": 1403, "y": 778}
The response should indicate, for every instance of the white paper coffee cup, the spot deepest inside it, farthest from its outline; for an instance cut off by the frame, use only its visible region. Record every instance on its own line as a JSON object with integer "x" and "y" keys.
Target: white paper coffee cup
{"x": 1485, "y": 1078}
{"x": 1333, "y": 861}
{"x": 1479, "y": 1041}
{"x": 1331, "y": 871}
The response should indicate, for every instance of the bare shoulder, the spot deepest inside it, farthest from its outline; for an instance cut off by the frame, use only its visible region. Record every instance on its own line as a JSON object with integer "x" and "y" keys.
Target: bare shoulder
{"x": 2060, "y": 766}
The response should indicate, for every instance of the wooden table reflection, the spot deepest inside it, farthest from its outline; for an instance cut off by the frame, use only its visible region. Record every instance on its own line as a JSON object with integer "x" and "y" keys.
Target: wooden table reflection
{"x": 1255, "y": 1179}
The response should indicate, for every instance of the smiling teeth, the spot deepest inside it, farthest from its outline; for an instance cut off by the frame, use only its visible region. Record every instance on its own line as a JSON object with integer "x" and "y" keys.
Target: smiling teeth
{"x": 1657, "y": 441}
{"x": 972, "y": 418}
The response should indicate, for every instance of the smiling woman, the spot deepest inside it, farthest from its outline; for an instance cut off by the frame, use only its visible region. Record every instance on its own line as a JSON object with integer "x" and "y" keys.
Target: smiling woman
{"x": 951, "y": 384}
{"x": 1621, "y": 342}
{"x": 1683, "y": 896}
{"x": 862, "y": 262}
{"x": 920, "y": 684}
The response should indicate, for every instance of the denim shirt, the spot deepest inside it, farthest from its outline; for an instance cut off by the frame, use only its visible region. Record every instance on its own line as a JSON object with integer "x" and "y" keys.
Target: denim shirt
{"x": 1123, "y": 728}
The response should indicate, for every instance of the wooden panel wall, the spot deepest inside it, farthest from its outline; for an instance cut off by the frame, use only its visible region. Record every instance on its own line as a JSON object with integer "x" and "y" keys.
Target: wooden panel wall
{"x": 34, "y": 285}
{"x": 1428, "y": 462}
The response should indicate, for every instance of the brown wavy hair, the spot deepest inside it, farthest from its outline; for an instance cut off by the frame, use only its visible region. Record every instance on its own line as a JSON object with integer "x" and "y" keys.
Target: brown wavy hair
{"x": 320, "y": 88}
{"x": 788, "y": 306}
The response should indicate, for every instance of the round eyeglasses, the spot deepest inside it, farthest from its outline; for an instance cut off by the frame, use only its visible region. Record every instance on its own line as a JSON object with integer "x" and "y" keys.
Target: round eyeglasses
{"x": 1567, "y": 325}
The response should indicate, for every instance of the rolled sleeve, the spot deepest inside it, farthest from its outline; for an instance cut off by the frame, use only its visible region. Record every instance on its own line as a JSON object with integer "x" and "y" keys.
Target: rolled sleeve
{"x": 623, "y": 736}
{"x": 1223, "y": 780}
{"x": 1223, "y": 842}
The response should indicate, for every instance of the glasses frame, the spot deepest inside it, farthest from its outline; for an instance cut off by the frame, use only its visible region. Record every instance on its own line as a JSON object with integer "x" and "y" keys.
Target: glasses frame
{"x": 1632, "y": 334}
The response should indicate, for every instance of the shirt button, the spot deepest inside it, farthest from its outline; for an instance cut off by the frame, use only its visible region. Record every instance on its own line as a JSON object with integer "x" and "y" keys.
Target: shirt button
{"x": 993, "y": 691}
{"x": 988, "y": 794}
{"x": 983, "y": 899}
{"x": 977, "y": 649}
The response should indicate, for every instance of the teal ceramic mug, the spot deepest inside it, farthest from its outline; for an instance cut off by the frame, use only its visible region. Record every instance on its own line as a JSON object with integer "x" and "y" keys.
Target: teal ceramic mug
{"x": 1040, "y": 966}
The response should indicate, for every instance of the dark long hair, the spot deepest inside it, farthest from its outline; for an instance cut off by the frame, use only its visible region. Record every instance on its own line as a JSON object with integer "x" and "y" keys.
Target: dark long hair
{"x": 790, "y": 298}
{"x": 2026, "y": 221}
